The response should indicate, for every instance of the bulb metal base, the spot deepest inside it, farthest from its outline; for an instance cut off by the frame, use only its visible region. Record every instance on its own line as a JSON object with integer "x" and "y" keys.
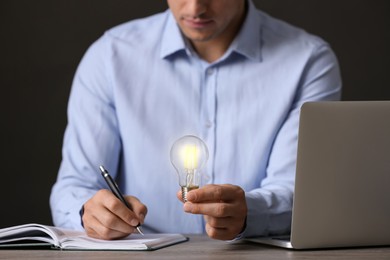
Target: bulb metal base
{"x": 185, "y": 190}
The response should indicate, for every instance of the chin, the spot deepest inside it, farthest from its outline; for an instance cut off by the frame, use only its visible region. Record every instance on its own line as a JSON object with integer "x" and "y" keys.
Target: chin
{"x": 198, "y": 37}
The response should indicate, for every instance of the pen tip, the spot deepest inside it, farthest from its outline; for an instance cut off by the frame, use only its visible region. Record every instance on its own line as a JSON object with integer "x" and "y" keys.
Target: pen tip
{"x": 139, "y": 231}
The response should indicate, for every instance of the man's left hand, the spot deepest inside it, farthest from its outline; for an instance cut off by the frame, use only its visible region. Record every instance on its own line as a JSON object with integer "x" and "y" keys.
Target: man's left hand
{"x": 223, "y": 206}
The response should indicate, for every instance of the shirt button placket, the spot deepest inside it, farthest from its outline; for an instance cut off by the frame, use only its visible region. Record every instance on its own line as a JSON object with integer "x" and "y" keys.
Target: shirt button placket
{"x": 209, "y": 119}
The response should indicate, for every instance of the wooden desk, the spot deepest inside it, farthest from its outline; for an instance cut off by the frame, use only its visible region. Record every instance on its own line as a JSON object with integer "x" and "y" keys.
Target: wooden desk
{"x": 201, "y": 247}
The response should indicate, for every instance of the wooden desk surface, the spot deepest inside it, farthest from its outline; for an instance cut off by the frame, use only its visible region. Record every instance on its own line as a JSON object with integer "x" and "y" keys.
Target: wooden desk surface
{"x": 201, "y": 247}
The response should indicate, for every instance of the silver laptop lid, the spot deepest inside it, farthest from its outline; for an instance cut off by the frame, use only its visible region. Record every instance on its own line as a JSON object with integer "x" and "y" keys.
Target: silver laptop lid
{"x": 342, "y": 189}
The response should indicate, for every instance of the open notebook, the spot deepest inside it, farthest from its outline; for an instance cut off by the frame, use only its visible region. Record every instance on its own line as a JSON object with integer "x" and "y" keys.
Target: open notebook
{"x": 34, "y": 235}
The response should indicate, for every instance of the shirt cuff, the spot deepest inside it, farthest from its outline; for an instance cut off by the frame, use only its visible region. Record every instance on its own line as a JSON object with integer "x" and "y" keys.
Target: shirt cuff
{"x": 81, "y": 212}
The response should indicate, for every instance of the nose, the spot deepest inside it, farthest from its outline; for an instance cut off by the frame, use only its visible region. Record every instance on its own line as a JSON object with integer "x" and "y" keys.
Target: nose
{"x": 196, "y": 8}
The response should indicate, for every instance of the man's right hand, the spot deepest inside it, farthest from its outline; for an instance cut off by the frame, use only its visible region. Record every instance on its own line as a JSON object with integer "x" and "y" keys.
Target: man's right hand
{"x": 106, "y": 217}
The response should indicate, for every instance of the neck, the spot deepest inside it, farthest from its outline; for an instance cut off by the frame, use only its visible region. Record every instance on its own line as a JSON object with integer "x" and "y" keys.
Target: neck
{"x": 209, "y": 51}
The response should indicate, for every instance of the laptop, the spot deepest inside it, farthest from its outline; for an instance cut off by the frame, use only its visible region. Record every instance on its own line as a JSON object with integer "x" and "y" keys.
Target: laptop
{"x": 342, "y": 186}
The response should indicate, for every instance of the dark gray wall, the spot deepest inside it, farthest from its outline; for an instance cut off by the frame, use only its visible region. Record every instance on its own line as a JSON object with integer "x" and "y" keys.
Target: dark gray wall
{"x": 42, "y": 41}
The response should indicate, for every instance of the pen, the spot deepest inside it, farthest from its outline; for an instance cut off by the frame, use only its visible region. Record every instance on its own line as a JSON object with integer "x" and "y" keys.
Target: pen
{"x": 115, "y": 189}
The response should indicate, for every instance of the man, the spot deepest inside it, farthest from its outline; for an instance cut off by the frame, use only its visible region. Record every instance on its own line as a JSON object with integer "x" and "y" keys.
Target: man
{"x": 218, "y": 69}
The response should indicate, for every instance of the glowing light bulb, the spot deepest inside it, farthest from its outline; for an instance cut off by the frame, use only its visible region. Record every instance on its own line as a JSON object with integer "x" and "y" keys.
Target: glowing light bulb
{"x": 188, "y": 155}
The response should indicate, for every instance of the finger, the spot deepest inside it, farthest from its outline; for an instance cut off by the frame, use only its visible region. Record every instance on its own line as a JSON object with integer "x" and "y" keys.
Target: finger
{"x": 212, "y": 192}
{"x": 220, "y": 233}
{"x": 119, "y": 209}
{"x": 102, "y": 229}
{"x": 218, "y": 222}
{"x": 110, "y": 219}
{"x": 179, "y": 195}
{"x": 211, "y": 209}
{"x": 139, "y": 208}
{"x": 101, "y": 218}
{"x": 102, "y": 232}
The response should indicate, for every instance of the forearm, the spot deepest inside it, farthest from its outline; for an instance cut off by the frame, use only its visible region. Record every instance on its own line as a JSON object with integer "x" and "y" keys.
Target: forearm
{"x": 66, "y": 201}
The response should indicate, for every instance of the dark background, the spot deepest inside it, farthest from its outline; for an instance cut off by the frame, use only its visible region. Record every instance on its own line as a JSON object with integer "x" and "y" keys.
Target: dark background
{"x": 42, "y": 42}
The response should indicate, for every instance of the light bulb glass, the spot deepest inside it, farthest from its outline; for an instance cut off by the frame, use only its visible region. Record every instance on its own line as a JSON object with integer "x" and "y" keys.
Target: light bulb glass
{"x": 189, "y": 155}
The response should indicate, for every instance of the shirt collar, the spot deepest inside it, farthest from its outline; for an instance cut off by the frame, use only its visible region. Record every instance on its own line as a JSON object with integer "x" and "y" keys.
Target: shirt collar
{"x": 246, "y": 43}
{"x": 172, "y": 40}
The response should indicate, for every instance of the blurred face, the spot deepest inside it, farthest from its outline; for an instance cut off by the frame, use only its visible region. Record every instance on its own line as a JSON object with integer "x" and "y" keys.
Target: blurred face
{"x": 207, "y": 20}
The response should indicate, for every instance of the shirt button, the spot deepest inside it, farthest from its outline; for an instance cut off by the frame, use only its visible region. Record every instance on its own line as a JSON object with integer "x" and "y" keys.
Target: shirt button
{"x": 210, "y": 71}
{"x": 208, "y": 124}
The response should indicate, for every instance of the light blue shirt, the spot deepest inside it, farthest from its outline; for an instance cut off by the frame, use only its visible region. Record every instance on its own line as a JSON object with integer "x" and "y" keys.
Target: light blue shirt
{"x": 141, "y": 86}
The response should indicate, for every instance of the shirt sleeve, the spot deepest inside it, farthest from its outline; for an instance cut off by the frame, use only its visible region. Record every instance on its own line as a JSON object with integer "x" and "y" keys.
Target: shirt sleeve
{"x": 270, "y": 206}
{"x": 91, "y": 139}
